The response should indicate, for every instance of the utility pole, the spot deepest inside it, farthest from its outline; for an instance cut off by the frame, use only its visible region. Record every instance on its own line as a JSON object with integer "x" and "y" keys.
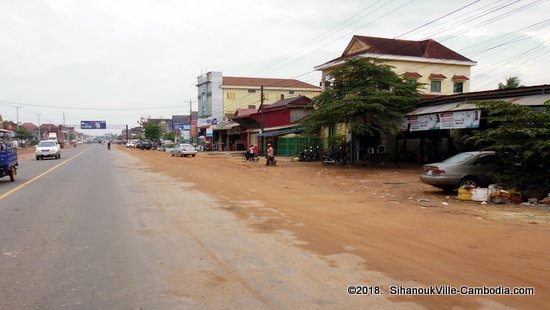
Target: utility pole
{"x": 191, "y": 140}
{"x": 17, "y": 125}
{"x": 262, "y": 115}
{"x": 39, "y": 135}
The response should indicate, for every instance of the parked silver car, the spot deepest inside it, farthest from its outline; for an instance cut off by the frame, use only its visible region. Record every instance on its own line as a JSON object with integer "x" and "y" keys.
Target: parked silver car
{"x": 183, "y": 149}
{"x": 470, "y": 169}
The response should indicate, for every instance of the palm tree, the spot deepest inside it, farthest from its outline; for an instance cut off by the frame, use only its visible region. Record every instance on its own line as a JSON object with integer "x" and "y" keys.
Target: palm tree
{"x": 511, "y": 82}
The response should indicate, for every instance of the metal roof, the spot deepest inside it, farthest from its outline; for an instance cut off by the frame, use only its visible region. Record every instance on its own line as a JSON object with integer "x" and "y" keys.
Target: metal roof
{"x": 463, "y": 105}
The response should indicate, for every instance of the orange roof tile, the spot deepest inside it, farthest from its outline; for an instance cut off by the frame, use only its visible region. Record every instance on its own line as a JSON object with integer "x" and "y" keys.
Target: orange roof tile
{"x": 266, "y": 82}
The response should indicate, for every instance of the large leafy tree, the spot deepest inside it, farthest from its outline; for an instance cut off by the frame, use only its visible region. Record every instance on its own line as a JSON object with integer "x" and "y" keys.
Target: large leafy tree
{"x": 369, "y": 97}
{"x": 520, "y": 131}
{"x": 152, "y": 132}
{"x": 511, "y": 82}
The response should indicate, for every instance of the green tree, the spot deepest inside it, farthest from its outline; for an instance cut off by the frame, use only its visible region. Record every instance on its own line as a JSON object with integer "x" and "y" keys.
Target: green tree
{"x": 369, "y": 97}
{"x": 170, "y": 136}
{"x": 511, "y": 82}
{"x": 22, "y": 133}
{"x": 520, "y": 131}
{"x": 152, "y": 132}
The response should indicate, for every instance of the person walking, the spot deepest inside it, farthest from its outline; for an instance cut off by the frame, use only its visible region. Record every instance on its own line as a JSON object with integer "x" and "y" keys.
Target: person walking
{"x": 270, "y": 156}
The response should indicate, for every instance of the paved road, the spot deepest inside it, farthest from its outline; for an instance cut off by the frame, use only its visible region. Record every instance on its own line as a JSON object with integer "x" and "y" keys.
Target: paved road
{"x": 98, "y": 230}
{"x": 64, "y": 241}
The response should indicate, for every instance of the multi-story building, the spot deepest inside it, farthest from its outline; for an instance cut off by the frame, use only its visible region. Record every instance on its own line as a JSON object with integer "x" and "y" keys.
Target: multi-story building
{"x": 437, "y": 69}
{"x": 220, "y": 96}
{"x": 441, "y": 70}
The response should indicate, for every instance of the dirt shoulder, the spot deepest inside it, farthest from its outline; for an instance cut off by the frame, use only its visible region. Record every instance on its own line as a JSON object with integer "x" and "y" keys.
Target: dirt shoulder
{"x": 397, "y": 225}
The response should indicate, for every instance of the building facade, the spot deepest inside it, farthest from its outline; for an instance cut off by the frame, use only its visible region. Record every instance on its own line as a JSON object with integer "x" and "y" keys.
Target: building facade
{"x": 440, "y": 70}
{"x": 219, "y": 97}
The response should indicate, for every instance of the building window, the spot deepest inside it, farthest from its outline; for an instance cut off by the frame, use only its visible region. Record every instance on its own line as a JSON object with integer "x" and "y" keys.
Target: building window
{"x": 281, "y": 97}
{"x": 435, "y": 87}
{"x": 251, "y": 91}
{"x": 458, "y": 87}
{"x": 291, "y": 92}
{"x": 411, "y": 82}
{"x": 230, "y": 95}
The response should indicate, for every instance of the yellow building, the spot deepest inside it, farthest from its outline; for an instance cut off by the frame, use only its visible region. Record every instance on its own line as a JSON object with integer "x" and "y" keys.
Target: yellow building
{"x": 244, "y": 92}
{"x": 441, "y": 70}
{"x": 219, "y": 96}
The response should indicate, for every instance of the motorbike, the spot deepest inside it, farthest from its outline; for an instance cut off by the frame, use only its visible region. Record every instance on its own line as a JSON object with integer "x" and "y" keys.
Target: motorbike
{"x": 271, "y": 161}
{"x": 250, "y": 157}
{"x": 310, "y": 154}
{"x": 333, "y": 157}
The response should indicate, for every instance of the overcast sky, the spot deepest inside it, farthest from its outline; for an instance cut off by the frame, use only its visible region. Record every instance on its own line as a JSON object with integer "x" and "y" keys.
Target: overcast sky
{"x": 132, "y": 58}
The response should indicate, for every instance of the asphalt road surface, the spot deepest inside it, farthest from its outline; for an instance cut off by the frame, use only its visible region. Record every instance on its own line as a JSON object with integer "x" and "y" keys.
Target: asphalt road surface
{"x": 97, "y": 230}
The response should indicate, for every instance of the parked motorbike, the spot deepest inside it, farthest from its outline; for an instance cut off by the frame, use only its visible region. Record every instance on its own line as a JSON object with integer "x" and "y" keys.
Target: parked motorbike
{"x": 334, "y": 156}
{"x": 309, "y": 154}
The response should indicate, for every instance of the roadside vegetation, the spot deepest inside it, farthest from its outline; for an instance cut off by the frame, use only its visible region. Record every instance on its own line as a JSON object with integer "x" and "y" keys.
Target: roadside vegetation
{"x": 521, "y": 132}
{"x": 368, "y": 97}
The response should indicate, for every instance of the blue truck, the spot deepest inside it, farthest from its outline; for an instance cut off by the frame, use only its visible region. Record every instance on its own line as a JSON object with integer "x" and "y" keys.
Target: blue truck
{"x": 8, "y": 155}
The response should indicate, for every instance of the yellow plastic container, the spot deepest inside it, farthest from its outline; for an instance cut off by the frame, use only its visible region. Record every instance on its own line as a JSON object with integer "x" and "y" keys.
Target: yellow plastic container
{"x": 464, "y": 193}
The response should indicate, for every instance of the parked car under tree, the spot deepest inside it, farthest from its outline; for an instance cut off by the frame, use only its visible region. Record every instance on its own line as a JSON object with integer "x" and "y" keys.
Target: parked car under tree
{"x": 470, "y": 169}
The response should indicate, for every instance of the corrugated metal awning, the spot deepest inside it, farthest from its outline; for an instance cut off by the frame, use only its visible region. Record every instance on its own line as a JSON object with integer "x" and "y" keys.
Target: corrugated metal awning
{"x": 531, "y": 100}
{"x": 281, "y": 132}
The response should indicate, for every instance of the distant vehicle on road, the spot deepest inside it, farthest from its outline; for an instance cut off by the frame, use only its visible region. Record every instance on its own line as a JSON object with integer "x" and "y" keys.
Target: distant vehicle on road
{"x": 470, "y": 169}
{"x": 48, "y": 148}
{"x": 183, "y": 149}
{"x": 58, "y": 136}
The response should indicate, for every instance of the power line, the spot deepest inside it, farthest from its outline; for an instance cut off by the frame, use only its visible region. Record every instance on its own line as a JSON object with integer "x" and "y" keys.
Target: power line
{"x": 437, "y": 19}
{"x": 87, "y": 108}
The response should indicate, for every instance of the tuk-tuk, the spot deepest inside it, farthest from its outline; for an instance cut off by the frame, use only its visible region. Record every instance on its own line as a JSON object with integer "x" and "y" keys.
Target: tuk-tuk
{"x": 8, "y": 155}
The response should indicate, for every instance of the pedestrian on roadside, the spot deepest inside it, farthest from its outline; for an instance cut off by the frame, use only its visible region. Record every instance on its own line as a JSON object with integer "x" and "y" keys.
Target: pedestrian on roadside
{"x": 270, "y": 156}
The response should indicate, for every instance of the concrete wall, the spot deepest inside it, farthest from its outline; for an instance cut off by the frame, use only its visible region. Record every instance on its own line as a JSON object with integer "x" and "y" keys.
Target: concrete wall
{"x": 425, "y": 69}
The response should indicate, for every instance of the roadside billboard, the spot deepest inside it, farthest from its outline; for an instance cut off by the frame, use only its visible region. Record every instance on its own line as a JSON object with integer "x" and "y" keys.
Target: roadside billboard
{"x": 93, "y": 125}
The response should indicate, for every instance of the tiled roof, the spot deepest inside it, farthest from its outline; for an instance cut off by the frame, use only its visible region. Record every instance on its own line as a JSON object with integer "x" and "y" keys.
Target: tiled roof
{"x": 424, "y": 49}
{"x": 245, "y": 112}
{"x": 383, "y": 47}
{"x": 180, "y": 119}
{"x": 460, "y": 77}
{"x": 414, "y": 75}
{"x": 437, "y": 76}
{"x": 300, "y": 100}
{"x": 266, "y": 82}
{"x": 30, "y": 126}
{"x": 48, "y": 126}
